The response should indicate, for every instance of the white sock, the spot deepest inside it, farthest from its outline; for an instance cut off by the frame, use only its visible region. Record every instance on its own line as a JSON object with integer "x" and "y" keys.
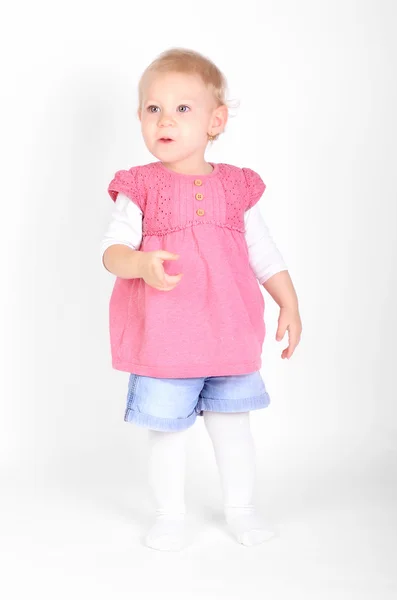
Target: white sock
{"x": 248, "y": 527}
{"x": 168, "y": 533}
{"x": 234, "y": 449}
{"x": 167, "y": 456}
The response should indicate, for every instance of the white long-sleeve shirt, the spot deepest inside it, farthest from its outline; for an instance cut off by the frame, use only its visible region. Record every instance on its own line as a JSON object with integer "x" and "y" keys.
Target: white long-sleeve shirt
{"x": 125, "y": 227}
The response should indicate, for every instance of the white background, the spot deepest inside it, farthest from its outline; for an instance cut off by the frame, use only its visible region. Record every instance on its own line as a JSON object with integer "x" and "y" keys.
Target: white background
{"x": 316, "y": 82}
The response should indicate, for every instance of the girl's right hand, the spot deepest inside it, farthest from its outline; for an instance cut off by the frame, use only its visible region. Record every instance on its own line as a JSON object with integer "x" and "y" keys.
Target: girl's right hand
{"x": 152, "y": 270}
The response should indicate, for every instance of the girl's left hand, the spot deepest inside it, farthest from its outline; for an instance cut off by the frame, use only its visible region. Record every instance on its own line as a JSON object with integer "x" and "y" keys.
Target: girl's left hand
{"x": 289, "y": 319}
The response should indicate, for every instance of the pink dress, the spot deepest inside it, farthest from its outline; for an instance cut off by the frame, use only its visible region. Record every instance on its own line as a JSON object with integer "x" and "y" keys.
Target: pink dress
{"x": 212, "y": 322}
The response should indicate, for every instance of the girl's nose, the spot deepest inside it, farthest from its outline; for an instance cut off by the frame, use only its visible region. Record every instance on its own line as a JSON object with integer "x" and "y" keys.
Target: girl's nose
{"x": 165, "y": 120}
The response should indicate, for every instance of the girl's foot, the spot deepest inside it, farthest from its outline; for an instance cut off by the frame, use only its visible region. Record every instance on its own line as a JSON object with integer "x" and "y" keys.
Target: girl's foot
{"x": 168, "y": 533}
{"x": 248, "y": 527}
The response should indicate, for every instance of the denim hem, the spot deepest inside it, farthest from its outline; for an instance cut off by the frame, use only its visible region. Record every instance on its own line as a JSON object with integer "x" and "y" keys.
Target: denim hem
{"x": 158, "y": 423}
{"x": 231, "y": 406}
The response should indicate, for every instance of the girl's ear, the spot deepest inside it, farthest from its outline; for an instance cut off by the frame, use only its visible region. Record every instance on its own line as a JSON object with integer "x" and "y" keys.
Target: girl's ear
{"x": 139, "y": 113}
{"x": 219, "y": 118}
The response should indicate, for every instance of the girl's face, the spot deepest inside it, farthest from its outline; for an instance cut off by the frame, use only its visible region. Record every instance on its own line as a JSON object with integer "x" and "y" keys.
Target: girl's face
{"x": 177, "y": 113}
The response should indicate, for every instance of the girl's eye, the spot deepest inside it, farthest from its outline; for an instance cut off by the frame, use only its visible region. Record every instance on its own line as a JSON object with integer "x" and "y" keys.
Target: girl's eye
{"x": 153, "y": 108}
{"x": 183, "y": 108}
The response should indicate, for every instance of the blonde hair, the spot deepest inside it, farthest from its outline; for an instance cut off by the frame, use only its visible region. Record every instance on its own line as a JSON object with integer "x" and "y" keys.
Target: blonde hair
{"x": 182, "y": 60}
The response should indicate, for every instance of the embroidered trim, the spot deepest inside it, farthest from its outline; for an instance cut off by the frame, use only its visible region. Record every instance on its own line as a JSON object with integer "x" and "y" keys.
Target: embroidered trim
{"x": 190, "y": 224}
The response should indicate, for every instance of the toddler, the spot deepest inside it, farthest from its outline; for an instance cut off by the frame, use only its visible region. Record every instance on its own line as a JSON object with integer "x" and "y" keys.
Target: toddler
{"x": 189, "y": 249}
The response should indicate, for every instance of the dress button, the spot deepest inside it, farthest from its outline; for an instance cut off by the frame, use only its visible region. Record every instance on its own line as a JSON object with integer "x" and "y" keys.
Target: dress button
{"x": 197, "y": 182}
{"x": 200, "y": 212}
{"x": 199, "y": 196}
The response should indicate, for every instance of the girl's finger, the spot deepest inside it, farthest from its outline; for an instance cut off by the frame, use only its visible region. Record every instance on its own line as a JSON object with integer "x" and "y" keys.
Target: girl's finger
{"x": 282, "y": 327}
{"x": 293, "y": 342}
{"x": 173, "y": 279}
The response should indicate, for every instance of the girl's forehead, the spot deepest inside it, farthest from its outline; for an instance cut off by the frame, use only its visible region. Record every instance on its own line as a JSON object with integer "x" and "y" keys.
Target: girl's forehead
{"x": 167, "y": 84}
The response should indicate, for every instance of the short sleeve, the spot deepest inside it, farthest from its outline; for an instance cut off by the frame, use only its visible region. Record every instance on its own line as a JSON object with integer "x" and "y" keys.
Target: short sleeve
{"x": 254, "y": 187}
{"x": 129, "y": 183}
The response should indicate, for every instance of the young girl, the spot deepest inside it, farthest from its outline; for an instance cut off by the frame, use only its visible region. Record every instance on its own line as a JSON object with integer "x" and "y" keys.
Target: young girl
{"x": 189, "y": 248}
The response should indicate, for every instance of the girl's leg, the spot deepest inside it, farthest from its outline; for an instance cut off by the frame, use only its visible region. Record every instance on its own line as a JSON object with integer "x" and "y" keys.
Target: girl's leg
{"x": 167, "y": 456}
{"x": 234, "y": 449}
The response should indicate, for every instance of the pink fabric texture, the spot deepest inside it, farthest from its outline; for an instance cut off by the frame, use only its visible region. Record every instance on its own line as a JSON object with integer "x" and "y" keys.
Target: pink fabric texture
{"x": 212, "y": 322}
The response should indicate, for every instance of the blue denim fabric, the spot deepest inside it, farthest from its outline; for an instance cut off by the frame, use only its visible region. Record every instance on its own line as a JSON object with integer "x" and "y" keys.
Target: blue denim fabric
{"x": 173, "y": 404}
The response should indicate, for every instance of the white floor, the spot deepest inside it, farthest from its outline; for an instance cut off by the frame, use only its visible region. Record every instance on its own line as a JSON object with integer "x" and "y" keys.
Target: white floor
{"x": 76, "y": 532}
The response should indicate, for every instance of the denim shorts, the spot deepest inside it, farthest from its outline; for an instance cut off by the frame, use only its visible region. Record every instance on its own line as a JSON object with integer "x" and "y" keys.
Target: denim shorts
{"x": 173, "y": 404}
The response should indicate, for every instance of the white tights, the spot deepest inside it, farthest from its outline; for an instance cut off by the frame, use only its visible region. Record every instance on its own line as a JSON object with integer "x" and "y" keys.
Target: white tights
{"x": 235, "y": 456}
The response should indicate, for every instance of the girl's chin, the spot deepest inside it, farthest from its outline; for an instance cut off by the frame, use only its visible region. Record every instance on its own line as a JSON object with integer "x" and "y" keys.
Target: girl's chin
{"x": 165, "y": 154}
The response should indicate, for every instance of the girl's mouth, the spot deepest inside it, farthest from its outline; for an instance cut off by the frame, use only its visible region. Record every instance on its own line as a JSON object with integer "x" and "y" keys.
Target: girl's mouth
{"x": 166, "y": 140}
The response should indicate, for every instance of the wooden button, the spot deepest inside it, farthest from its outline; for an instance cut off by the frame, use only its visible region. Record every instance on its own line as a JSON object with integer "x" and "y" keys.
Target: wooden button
{"x": 198, "y": 182}
{"x": 199, "y": 196}
{"x": 200, "y": 212}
